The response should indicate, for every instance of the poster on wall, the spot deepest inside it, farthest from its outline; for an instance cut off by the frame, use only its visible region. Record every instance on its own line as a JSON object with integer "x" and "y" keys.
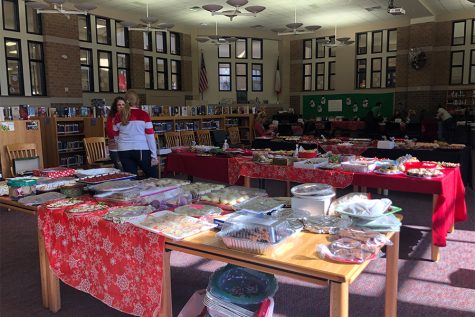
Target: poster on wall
{"x": 335, "y": 105}
{"x": 32, "y": 125}
{"x": 7, "y": 126}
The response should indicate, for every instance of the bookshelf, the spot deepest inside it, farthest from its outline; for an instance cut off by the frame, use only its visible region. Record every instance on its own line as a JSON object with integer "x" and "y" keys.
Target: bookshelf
{"x": 63, "y": 139}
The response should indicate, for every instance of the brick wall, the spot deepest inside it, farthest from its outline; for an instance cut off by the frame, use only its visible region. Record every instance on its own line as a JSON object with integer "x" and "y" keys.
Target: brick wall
{"x": 137, "y": 69}
{"x": 296, "y": 77}
{"x": 186, "y": 78}
{"x": 296, "y": 49}
{"x": 136, "y": 39}
{"x": 60, "y": 26}
{"x": 185, "y": 45}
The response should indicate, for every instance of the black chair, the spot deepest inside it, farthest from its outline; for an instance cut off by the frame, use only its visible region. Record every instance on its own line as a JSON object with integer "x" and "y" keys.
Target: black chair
{"x": 218, "y": 137}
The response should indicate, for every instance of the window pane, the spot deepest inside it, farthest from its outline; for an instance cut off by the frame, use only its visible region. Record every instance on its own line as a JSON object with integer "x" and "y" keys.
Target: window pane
{"x": 320, "y": 49}
{"x": 391, "y": 72}
{"x": 35, "y": 51}
{"x": 148, "y": 82}
{"x": 121, "y": 34}
{"x": 362, "y": 43}
{"x": 84, "y": 28}
{"x": 256, "y": 70}
{"x": 146, "y": 63}
{"x": 161, "y": 81}
{"x": 458, "y": 33}
{"x": 473, "y": 31}
{"x": 376, "y": 64}
{"x": 241, "y": 69}
{"x": 456, "y": 75}
{"x": 175, "y": 82}
{"x": 472, "y": 74}
{"x": 224, "y": 50}
{"x": 37, "y": 85}
{"x": 241, "y": 48}
{"x": 85, "y": 78}
{"x": 147, "y": 41}
{"x": 332, "y": 67}
{"x": 320, "y": 68}
{"x": 457, "y": 58}
{"x": 160, "y": 65}
{"x": 12, "y": 48}
{"x": 331, "y": 82}
{"x": 257, "y": 83}
{"x": 104, "y": 59}
{"x": 307, "y": 83}
{"x": 241, "y": 83}
{"x": 10, "y": 15}
{"x": 34, "y": 20}
{"x": 320, "y": 82}
{"x": 308, "y": 69}
{"x": 392, "y": 40}
{"x": 122, "y": 61}
{"x": 174, "y": 43}
{"x": 15, "y": 78}
{"x": 377, "y": 42}
{"x": 161, "y": 42}
{"x": 104, "y": 82}
{"x": 376, "y": 80}
{"x": 391, "y": 62}
{"x": 175, "y": 67}
{"x": 361, "y": 73}
{"x": 224, "y": 69}
{"x": 102, "y": 31}
{"x": 224, "y": 83}
{"x": 256, "y": 49}
{"x": 85, "y": 57}
{"x": 307, "y": 49}
{"x": 122, "y": 79}
{"x": 332, "y": 50}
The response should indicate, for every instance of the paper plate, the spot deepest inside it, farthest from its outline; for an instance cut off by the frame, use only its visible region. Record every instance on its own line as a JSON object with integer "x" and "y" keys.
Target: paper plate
{"x": 391, "y": 210}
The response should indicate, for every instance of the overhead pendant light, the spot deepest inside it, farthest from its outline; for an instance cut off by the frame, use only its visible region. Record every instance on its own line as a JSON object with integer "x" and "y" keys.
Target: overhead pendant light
{"x": 335, "y": 41}
{"x": 215, "y": 38}
{"x": 296, "y": 27}
{"x": 148, "y": 26}
{"x": 232, "y": 13}
{"x": 56, "y": 6}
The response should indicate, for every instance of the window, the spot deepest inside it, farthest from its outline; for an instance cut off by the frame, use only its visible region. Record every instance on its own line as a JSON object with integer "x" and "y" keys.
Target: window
{"x": 307, "y": 49}
{"x": 161, "y": 39}
{"x": 123, "y": 71}
{"x": 241, "y": 77}
{"x": 176, "y": 75}
{"x": 361, "y": 43}
{"x": 105, "y": 71}
{"x": 162, "y": 74}
{"x": 392, "y": 40}
{"x": 320, "y": 77}
{"x": 391, "y": 72}
{"x": 332, "y": 50}
{"x": 84, "y": 28}
{"x": 174, "y": 43}
{"x": 320, "y": 47}
{"x": 458, "y": 33}
{"x": 456, "y": 67}
{"x": 37, "y": 68}
{"x": 361, "y": 73}
{"x": 256, "y": 47}
{"x": 86, "y": 70}
{"x": 472, "y": 67}
{"x": 331, "y": 75}
{"x": 14, "y": 67}
{"x": 121, "y": 35}
{"x": 376, "y": 73}
{"x": 241, "y": 48}
{"x": 257, "y": 76}
{"x": 103, "y": 31}
{"x": 33, "y": 21}
{"x": 473, "y": 31}
{"x": 224, "y": 50}
{"x": 10, "y": 15}
{"x": 148, "y": 68}
{"x": 307, "y": 77}
{"x": 147, "y": 41}
{"x": 224, "y": 73}
{"x": 377, "y": 42}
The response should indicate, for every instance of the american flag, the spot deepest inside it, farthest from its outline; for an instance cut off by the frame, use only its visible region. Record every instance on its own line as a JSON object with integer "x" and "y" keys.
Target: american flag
{"x": 203, "y": 76}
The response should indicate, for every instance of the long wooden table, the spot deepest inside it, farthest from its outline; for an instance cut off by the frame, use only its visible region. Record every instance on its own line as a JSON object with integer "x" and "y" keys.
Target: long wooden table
{"x": 297, "y": 259}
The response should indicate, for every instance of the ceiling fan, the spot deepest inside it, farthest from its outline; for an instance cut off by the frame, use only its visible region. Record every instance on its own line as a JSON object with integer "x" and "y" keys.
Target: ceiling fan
{"x": 231, "y": 14}
{"x": 216, "y": 39}
{"x": 56, "y": 6}
{"x": 148, "y": 26}
{"x": 296, "y": 27}
{"x": 333, "y": 41}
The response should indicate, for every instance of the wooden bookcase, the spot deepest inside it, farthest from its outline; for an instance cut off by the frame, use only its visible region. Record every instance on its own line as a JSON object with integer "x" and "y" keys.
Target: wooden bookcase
{"x": 63, "y": 139}
{"x": 461, "y": 101}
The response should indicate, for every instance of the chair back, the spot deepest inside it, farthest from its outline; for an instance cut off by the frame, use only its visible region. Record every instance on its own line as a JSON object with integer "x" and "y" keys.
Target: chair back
{"x": 234, "y": 137}
{"x": 172, "y": 139}
{"x": 95, "y": 149}
{"x": 187, "y": 138}
{"x": 204, "y": 137}
{"x": 21, "y": 150}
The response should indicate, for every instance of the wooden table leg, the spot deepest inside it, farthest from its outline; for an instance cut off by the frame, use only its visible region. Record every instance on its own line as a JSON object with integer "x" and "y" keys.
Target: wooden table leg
{"x": 247, "y": 182}
{"x": 339, "y": 299}
{"x": 435, "y": 254}
{"x": 392, "y": 256}
{"x": 54, "y": 292}
{"x": 166, "y": 302}
{"x": 43, "y": 270}
{"x": 452, "y": 228}
{"x": 287, "y": 189}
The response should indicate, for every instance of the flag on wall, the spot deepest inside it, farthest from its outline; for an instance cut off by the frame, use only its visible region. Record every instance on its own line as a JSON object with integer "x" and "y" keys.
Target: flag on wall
{"x": 277, "y": 84}
{"x": 203, "y": 76}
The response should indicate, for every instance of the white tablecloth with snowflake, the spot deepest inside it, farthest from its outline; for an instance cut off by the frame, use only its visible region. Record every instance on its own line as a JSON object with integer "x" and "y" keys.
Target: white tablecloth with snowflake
{"x": 119, "y": 264}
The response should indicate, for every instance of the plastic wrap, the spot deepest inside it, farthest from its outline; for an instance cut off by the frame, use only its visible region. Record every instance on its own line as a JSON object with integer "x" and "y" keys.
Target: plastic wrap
{"x": 48, "y": 184}
{"x": 366, "y": 208}
{"x": 123, "y": 214}
{"x": 40, "y": 199}
{"x": 199, "y": 211}
{"x": 261, "y": 205}
{"x": 199, "y": 189}
{"x": 326, "y": 224}
{"x": 230, "y": 196}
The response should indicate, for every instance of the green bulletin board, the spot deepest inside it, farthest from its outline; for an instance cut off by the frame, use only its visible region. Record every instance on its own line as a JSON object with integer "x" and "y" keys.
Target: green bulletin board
{"x": 317, "y": 105}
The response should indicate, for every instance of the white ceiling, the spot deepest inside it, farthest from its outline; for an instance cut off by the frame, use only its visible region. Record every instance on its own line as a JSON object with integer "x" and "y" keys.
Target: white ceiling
{"x": 327, "y": 13}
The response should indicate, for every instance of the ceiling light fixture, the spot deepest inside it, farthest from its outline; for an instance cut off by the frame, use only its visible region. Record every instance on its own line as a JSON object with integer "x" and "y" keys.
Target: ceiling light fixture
{"x": 231, "y": 14}
{"x": 335, "y": 41}
{"x": 56, "y": 6}
{"x": 295, "y": 28}
{"x": 149, "y": 26}
{"x": 216, "y": 39}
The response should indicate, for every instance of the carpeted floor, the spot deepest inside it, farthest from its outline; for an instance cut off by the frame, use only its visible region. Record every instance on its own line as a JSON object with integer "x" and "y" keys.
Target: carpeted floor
{"x": 445, "y": 288}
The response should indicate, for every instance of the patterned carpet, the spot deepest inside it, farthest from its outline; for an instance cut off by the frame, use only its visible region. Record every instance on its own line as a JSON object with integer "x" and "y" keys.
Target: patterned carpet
{"x": 445, "y": 288}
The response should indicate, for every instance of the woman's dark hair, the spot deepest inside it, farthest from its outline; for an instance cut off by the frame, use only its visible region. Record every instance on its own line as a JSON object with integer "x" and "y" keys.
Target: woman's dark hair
{"x": 114, "y": 110}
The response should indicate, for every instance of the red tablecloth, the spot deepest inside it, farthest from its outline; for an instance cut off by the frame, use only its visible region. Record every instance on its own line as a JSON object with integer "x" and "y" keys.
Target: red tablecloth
{"x": 207, "y": 167}
{"x": 343, "y": 149}
{"x": 118, "y": 264}
{"x": 450, "y": 205}
{"x": 240, "y": 166}
{"x": 348, "y": 125}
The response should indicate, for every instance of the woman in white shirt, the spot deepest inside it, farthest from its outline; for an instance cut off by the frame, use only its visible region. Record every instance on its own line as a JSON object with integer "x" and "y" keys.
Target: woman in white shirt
{"x": 448, "y": 124}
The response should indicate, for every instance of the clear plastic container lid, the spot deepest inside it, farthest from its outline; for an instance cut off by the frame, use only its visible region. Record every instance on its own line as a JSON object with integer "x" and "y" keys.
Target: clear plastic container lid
{"x": 259, "y": 205}
{"x": 198, "y": 210}
{"x": 326, "y": 224}
{"x": 314, "y": 189}
{"x": 121, "y": 214}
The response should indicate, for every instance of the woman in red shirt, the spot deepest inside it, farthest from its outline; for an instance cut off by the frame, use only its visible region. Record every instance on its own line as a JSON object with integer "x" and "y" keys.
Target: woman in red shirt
{"x": 259, "y": 129}
{"x": 116, "y": 107}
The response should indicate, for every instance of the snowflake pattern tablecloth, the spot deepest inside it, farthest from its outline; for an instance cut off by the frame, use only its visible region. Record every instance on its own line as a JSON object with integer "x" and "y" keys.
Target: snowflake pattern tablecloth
{"x": 119, "y": 264}
{"x": 245, "y": 167}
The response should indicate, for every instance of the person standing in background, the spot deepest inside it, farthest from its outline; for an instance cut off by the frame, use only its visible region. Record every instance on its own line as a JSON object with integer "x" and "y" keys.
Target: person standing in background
{"x": 135, "y": 137}
{"x": 448, "y": 124}
{"x": 116, "y": 107}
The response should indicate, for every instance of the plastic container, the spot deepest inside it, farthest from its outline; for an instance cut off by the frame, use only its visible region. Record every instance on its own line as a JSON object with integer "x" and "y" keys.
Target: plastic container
{"x": 72, "y": 190}
{"x": 18, "y": 188}
{"x": 358, "y": 167}
{"x": 312, "y": 163}
{"x": 313, "y": 198}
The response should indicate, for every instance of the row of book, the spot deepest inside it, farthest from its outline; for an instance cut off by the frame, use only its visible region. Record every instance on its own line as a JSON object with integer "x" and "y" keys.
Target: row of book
{"x": 200, "y": 110}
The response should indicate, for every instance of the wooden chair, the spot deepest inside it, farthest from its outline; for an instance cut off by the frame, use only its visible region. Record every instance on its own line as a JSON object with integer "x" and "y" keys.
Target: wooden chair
{"x": 187, "y": 138}
{"x": 204, "y": 137}
{"x": 234, "y": 136}
{"x": 21, "y": 150}
{"x": 172, "y": 139}
{"x": 96, "y": 152}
